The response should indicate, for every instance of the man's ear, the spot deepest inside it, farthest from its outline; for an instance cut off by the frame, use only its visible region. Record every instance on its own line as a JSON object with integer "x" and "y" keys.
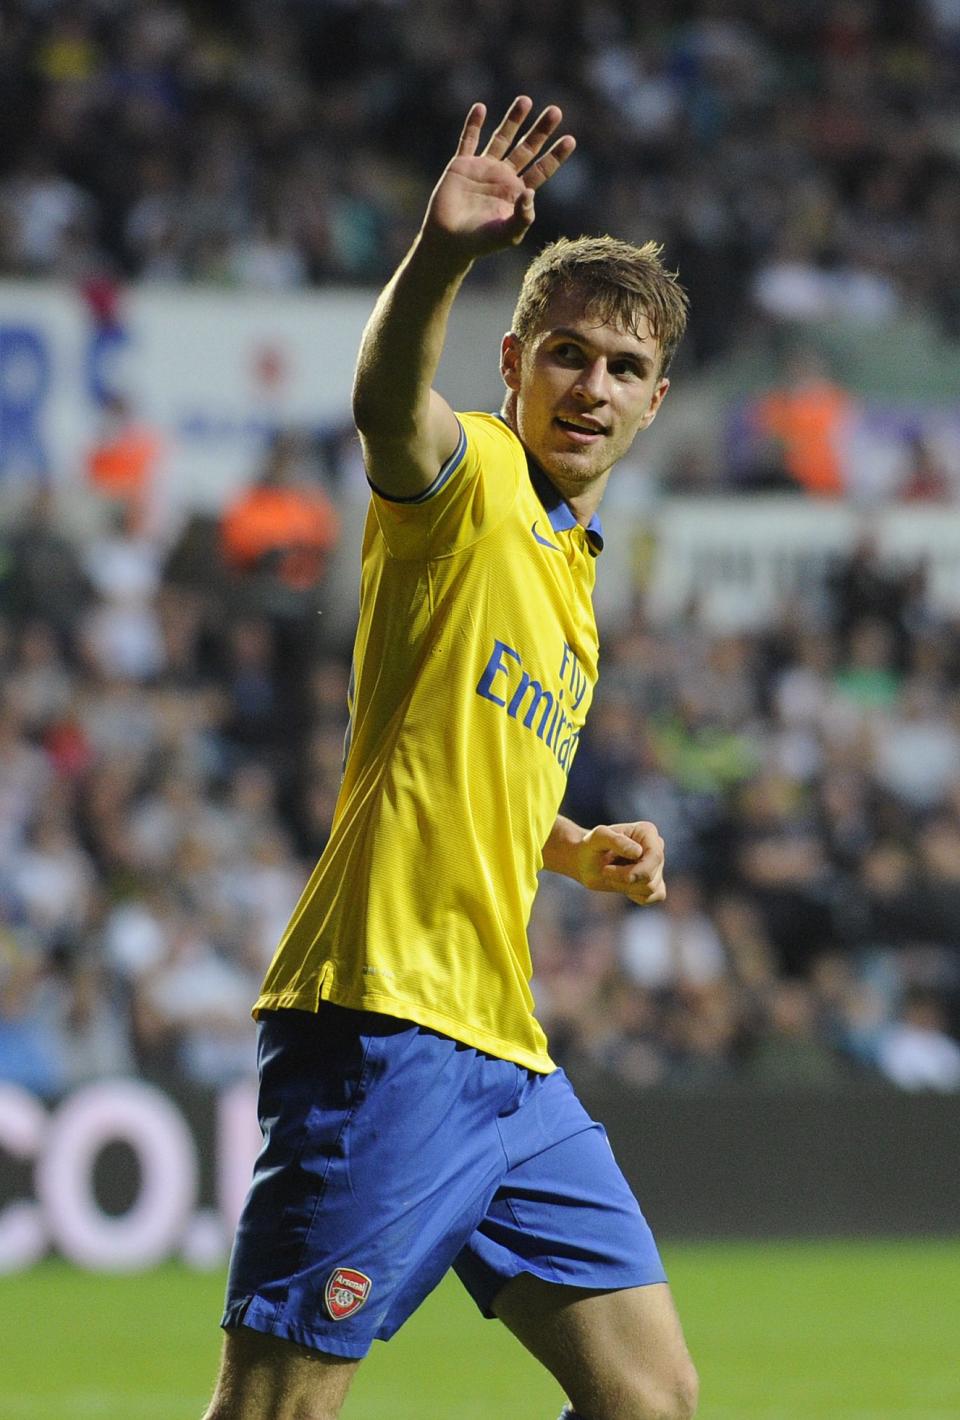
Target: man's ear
{"x": 656, "y": 400}
{"x": 510, "y": 361}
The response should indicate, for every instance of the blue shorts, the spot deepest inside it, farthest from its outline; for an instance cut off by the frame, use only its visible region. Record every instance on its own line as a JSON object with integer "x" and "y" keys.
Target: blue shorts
{"x": 391, "y": 1154}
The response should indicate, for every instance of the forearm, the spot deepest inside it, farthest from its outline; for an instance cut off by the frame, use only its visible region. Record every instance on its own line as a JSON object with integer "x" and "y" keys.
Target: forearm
{"x": 403, "y": 341}
{"x": 560, "y": 853}
{"x": 483, "y": 203}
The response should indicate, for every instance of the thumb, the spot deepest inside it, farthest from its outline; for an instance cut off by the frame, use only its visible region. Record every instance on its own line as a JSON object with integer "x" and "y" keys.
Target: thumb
{"x": 523, "y": 212}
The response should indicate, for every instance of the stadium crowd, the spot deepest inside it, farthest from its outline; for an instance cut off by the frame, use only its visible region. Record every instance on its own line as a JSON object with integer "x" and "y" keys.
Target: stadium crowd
{"x": 170, "y": 747}
{"x": 797, "y": 159}
{"x": 171, "y": 719}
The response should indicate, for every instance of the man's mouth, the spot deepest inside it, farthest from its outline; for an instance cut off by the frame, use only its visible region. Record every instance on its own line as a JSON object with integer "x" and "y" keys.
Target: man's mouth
{"x": 581, "y": 430}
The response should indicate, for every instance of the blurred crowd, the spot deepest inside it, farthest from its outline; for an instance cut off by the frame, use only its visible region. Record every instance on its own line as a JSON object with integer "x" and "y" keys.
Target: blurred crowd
{"x": 806, "y": 780}
{"x": 170, "y": 749}
{"x": 171, "y": 718}
{"x": 798, "y": 160}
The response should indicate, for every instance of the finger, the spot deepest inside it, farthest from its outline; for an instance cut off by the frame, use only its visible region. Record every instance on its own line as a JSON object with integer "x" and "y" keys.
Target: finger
{"x": 645, "y": 897}
{"x": 533, "y": 140}
{"x": 645, "y": 835}
{"x": 645, "y": 874}
{"x": 470, "y": 133}
{"x": 506, "y": 130}
{"x": 643, "y": 871}
{"x": 546, "y": 165}
{"x": 642, "y": 831}
{"x": 613, "y": 840}
{"x": 523, "y": 214}
{"x": 625, "y": 876}
{"x": 651, "y": 855}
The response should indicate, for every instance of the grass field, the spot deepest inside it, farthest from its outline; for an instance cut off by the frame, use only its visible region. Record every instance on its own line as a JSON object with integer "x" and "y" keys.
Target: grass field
{"x": 798, "y": 1331}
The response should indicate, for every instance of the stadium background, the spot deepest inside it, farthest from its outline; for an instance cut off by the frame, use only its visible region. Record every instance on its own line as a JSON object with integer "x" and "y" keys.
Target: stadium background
{"x": 196, "y": 207}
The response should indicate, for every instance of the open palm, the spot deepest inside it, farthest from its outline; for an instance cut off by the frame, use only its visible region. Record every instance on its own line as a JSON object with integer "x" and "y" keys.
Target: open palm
{"x": 484, "y": 201}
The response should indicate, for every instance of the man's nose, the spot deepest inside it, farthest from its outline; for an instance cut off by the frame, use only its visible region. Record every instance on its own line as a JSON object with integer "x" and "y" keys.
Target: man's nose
{"x": 592, "y": 382}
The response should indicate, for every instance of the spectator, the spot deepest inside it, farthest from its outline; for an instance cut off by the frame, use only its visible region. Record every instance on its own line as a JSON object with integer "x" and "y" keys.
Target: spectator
{"x": 281, "y": 530}
{"x": 675, "y": 945}
{"x": 38, "y": 685}
{"x": 862, "y": 589}
{"x": 791, "y": 1052}
{"x": 29, "y": 1056}
{"x": 193, "y": 1010}
{"x": 88, "y": 1024}
{"x": 917, "y": 747}
{"x": 50, "y": 880}
{"x": 123, "y": 463}
{"x": 810, "y": 415}
{"x": 45, "y": 579}
{"x": 251, "y": 683}
{"x": 915, "y": 1052}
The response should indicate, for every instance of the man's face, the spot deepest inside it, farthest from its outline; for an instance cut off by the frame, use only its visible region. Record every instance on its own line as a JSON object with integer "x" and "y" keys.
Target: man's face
{"x": 583, "y": 392}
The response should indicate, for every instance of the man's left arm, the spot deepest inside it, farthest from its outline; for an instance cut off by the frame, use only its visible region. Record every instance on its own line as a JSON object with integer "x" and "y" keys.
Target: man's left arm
{"x": 615, "y": 857}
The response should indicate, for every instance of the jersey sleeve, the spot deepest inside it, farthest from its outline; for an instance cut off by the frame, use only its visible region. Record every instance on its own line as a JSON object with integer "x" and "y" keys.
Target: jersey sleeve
{"x": 472, "y": 494}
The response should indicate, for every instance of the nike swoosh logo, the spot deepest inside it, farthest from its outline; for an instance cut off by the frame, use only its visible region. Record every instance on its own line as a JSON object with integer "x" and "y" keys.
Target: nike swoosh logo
{"x": 543, "y": 541}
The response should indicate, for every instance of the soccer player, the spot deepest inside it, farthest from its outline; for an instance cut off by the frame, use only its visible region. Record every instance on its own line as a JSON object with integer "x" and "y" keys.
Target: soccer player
{"x": 413, "y": 1119}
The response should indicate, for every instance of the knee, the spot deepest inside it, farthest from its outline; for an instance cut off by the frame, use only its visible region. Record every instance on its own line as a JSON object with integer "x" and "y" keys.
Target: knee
{"x": 669, "y": 1394}
{"x": 686, "y": 1392}
{"x": 296, "y": 1410}
{"x": 671, "y": 1397}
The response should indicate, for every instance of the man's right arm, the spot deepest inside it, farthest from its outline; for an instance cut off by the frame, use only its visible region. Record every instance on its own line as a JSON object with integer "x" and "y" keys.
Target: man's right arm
{"x": 407, "y": 429}
{"x": 482, "y": 204}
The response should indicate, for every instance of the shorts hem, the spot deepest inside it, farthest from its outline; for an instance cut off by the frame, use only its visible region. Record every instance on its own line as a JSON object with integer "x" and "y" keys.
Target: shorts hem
{"x": 581, "y": 1284}
{"x": 258, "y": 1315}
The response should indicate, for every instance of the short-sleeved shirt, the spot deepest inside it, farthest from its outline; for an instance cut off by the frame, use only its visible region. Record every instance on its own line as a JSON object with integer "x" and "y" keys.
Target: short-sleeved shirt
{"x": 474, "y": 667}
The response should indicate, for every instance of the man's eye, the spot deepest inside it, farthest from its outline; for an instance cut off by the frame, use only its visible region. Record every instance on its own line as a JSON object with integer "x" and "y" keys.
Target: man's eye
{"x": 569, "y": 353}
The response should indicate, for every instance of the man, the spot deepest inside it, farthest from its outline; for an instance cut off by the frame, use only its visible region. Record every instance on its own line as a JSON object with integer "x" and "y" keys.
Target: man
{"x": 413, "y": 1118}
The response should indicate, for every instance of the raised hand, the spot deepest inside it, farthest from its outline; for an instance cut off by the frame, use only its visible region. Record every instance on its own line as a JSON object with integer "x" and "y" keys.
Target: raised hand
{"x": 485, "y": 201}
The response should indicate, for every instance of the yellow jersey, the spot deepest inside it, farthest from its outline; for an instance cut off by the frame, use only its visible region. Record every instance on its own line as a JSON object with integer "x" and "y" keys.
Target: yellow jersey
{"x": 474, "y": 668}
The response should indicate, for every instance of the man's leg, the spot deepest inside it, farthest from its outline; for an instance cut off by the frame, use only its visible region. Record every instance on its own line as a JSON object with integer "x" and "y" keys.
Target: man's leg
{"x": 381, "y": 1154}
{"x": 618, "y": 1355}
{"x": 265, "y": 1378}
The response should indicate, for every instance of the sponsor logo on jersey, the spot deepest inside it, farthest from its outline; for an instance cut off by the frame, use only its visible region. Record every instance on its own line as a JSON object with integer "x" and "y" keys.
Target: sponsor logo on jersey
{"x": 543, "y": 711}
{"x": 345, "y": 1292}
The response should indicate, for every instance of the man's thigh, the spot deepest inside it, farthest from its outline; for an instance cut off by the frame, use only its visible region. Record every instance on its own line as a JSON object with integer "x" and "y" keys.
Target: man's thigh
{"x": 565, "y": 1258}
{"x": 618, "y": 1355}
{"x": 563, "y": 1210}
{"x": 265, "y": 1378}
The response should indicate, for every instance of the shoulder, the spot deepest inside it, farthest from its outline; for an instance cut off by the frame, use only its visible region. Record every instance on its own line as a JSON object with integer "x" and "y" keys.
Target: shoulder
{"x": 495, "y": 454}
{"x": 473, "y": 493}
{"x": 492, "y": 432}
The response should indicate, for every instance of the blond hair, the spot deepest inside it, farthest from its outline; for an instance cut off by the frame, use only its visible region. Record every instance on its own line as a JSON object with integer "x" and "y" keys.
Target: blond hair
{"x": 621, "y": 284}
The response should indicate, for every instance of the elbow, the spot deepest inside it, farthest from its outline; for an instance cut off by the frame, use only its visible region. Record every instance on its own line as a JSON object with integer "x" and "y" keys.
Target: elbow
{"x": 364, "y": 407}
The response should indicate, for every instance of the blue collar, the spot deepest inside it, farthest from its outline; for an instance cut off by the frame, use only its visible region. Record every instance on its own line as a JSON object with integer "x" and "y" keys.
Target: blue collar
{"x": 556, "y": 507}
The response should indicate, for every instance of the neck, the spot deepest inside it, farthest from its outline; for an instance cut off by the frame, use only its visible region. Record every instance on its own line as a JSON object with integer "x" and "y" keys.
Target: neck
{"x": 586, "y": 502}
{"x": 582, "y": 499}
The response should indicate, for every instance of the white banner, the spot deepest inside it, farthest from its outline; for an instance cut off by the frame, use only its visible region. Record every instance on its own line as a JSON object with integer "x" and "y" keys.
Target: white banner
{"x": 212, "y": 372}
{"x": 742, "y": 563}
